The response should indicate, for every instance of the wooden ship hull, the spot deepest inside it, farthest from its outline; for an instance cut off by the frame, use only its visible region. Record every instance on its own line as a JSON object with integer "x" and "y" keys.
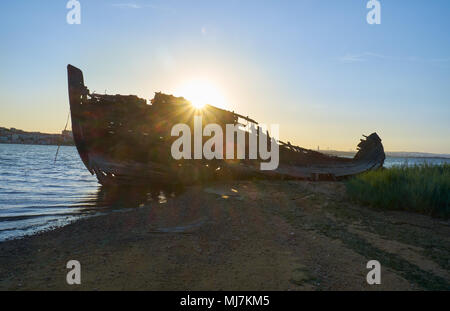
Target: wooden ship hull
{"x": 123, "y": 139}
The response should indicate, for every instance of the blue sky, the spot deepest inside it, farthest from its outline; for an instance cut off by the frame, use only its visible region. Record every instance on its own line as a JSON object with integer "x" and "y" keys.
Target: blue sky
{"x": 314, "y": 66}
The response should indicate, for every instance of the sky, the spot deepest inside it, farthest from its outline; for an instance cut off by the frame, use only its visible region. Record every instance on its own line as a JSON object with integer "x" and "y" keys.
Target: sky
{"x": 315, "y": 67}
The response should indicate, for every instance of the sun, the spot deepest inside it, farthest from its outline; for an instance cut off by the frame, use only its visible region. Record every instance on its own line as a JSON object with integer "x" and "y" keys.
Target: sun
{"x": 198, "y": 105}
{"x": 200, "y": 93}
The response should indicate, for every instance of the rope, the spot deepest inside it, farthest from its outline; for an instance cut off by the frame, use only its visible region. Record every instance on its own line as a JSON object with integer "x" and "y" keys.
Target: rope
{"x": 59, "y": 143}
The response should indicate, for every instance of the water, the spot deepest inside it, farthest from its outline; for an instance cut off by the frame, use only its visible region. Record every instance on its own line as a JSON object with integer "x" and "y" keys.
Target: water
{"x": 37, "y": 194}
{"x": 393, "y": 161}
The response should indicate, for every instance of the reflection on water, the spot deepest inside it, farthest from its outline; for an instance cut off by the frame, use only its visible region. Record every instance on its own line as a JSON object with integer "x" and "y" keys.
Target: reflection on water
{"x": 37, "y": 194}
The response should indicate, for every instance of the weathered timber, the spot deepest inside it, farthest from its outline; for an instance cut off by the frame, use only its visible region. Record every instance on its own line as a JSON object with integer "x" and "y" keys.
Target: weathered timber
{"x": 125, "y": 139}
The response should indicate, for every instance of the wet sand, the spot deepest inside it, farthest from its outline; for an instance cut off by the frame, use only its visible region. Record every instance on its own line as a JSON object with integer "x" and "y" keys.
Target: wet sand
{"x": 249, "y": 235}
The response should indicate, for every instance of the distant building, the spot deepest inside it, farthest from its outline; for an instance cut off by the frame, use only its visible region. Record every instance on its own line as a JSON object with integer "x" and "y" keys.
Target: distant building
{"x": 16, "y": 136}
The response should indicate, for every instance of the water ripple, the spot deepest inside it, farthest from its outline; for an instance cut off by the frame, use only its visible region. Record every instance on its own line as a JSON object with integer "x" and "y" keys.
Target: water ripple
{"x": 37, "y": 194}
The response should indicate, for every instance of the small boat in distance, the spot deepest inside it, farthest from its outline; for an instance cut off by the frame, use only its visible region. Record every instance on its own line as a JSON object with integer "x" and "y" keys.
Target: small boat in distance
{"x": 123, "y": 139}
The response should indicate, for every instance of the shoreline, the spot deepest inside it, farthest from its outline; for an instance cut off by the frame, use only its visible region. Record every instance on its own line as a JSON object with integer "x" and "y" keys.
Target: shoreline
{"x": 247, "y": 235}
{"x": 389, "y": 154}
{"x": 28, "y": 144}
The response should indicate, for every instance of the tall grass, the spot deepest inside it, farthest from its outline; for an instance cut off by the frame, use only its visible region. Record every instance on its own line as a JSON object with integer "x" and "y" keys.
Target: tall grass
{"x": 422, "y": 188}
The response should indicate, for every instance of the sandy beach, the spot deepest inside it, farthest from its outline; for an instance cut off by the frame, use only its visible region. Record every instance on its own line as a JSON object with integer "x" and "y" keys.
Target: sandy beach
{"x": 249, "y": 235}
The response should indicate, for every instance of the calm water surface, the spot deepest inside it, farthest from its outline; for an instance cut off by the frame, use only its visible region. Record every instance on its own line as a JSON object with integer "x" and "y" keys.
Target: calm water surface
{"x": 38, "y": 194}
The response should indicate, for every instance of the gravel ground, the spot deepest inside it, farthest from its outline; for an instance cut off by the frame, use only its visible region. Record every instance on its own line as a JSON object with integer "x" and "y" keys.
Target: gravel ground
{"x": 250, "y": 235}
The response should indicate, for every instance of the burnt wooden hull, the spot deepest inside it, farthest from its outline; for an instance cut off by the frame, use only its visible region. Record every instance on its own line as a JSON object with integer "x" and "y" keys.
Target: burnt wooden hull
{"x": 122, "y": 139}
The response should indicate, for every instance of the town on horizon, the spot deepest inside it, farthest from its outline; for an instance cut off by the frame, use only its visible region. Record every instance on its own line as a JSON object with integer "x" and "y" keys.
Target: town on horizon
{"x": 17, "y": 136}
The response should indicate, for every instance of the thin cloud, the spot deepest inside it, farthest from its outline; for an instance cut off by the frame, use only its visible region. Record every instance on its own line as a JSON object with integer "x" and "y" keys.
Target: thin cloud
{"x": 133, "y": 5}
{"x": 366, "y": 56}
{"x": 352, "y": 58}
{"x": 361, "y": 57}
{"x": 127, "y": 5}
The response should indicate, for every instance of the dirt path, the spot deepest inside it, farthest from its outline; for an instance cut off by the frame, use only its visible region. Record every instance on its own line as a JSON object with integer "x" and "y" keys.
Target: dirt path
{"x": 261, "y": 235}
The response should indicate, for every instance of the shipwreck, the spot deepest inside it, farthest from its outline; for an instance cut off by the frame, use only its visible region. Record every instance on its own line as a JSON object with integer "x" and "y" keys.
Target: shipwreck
{"x": 124, "y": 139}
